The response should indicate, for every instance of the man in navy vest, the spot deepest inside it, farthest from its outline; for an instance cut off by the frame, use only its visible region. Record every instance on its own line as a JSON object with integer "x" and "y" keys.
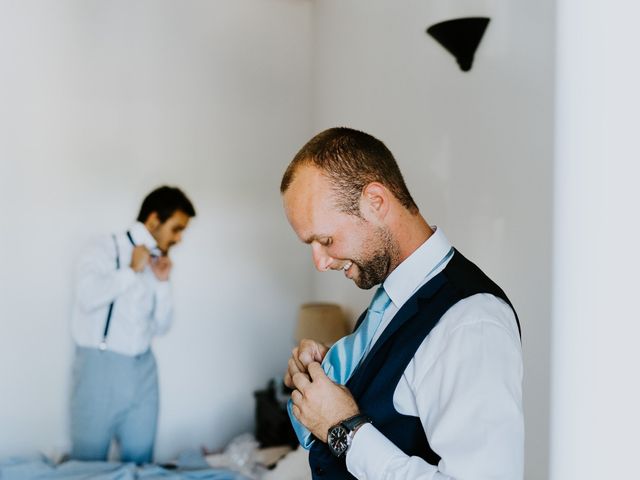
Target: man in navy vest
{"x": 438, "y": 393}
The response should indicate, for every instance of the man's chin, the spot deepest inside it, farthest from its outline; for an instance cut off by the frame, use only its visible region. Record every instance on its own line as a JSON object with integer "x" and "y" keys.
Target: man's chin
{"x": 165, "y": 250}
{"x": 364, "y": 284}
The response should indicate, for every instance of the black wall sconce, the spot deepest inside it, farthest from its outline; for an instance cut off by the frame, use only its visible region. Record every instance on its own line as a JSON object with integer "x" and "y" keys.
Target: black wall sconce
{"x": 461, "y": 37}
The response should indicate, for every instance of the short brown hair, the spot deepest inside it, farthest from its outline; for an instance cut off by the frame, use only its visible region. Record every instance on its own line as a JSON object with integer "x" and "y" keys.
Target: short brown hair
{"x": 165, "y": 201}
{"x": 351, "y": 159}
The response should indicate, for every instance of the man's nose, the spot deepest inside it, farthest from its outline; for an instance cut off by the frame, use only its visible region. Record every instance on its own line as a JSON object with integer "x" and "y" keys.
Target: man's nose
{"x": 321, "y": 260}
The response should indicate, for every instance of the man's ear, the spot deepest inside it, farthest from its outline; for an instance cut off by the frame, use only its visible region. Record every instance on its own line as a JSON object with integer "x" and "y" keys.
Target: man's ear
{"x": 152, "y": 222}
{"x": 375, "y": 200}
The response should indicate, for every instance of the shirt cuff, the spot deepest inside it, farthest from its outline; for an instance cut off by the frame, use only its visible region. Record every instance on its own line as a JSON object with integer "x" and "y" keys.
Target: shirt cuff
{"x": 370, "y": 453}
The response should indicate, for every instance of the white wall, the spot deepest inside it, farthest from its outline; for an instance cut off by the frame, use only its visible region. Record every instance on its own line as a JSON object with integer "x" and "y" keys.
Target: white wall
{"x": 475, "y": 148}
{"x": 595, "y": 388}
{"x": 103, "y": 101}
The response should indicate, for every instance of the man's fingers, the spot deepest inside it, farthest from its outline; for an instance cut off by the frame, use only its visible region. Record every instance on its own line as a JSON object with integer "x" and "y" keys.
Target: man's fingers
{"x": 287, "y": 380}
{"x": 301, "y": 381}
{"x": 309, "y": 351}
{"x": 295, "y": 354}
{"x": 320, "y": 352}
{"x": 315, "y": 371}
{"x": 299, "y": 365}
{"x": 296, "y": 397}
{"x": 306, "y": 357}
{"x": 296, "y": 411}
{"x": 292, "y": 366}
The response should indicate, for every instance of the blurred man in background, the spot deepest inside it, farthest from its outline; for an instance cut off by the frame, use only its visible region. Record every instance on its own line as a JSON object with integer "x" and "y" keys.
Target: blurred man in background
{"x": 122, "y": 300}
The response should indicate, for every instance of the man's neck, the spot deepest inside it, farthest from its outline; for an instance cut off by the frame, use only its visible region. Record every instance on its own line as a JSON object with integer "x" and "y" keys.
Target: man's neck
{"x": 413, "y": 230}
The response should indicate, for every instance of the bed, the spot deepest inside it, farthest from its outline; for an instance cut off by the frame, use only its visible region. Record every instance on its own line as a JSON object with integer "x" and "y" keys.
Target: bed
{"x": 189, "y": 466}
{"x": 275, "y": 463}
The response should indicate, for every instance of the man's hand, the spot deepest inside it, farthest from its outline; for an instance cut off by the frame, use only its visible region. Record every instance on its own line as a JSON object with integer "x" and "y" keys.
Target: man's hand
{"x": 301, "y": 356}
{"x": 161, "y": 267}
{"x": 139, "y": 258}
{"x": 319, "y": 403}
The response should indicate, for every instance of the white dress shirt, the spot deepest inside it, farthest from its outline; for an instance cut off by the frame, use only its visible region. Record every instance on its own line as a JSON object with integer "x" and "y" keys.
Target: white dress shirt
{"x": 464, "y": 383}
{"x": 142, "y": 304}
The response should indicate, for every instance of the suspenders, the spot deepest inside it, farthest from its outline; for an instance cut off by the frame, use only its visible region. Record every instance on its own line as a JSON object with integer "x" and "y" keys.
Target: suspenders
{"x": 130, "y": 238}
{"x": 103, "y": 343}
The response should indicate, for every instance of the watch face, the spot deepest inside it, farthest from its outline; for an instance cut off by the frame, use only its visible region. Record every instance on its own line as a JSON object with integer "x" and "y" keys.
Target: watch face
{"x": 337, "y": 440}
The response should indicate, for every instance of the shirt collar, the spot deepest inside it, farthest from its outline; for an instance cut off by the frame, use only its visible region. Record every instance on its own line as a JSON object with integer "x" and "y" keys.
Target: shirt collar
{"x": 412, "y": 272}
{"x": 141, "y": 236}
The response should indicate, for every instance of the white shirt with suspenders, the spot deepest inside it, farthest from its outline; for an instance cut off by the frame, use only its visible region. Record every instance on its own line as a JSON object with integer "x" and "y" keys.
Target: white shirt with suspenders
{"x": 116, "y": 308}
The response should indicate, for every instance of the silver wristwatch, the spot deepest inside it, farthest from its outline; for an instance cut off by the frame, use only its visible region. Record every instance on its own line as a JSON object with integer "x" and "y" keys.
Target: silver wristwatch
{"x": 341, "y": 435}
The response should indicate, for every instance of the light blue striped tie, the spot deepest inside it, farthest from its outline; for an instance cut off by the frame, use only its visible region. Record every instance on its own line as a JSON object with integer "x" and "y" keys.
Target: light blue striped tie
{"x": 345, "y": 355}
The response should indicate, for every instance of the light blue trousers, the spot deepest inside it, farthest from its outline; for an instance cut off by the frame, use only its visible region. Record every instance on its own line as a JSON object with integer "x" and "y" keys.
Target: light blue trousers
{"x": 113, "y": 396}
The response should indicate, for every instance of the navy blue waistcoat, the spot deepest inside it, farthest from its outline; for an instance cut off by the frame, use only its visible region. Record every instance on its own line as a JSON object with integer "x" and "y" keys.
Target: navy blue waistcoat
{"x": 375, "y": 380}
